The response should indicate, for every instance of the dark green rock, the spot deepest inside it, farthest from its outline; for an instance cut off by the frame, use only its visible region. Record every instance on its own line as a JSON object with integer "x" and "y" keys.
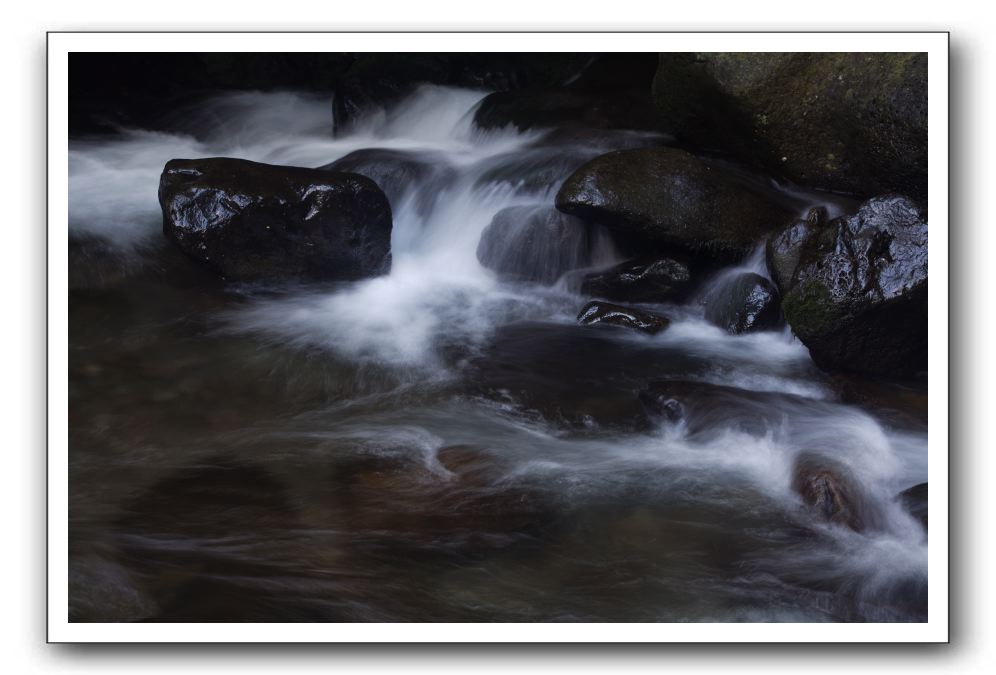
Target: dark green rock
{"x": 248, "y": 221}
{"x": 672, "y": 198}
{"x": 597, "y": 312}
{"x": 849, "y": 122}
{"x": 858, "y": 300}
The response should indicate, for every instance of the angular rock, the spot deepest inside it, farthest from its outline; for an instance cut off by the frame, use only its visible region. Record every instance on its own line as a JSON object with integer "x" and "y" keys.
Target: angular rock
{"x": 743, "y": 303}
{"x": 641, "y": 280}
{"x": 672, "y": 198}
{"x": 598, "y": 312}
{"x": 847, "y": 122}
{"x": 858, "y": 299}
{"x": 248, "y": 221}
{"x": 535, "y": 243}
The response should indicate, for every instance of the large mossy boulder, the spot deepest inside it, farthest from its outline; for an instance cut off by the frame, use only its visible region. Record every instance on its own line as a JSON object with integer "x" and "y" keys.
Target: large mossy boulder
{"x": 848, "y": 122}
{"x": 672, "y": 198}
{"x": 858, "y": 297}
{"x": 248, "y": 221}
{"x": 535, "y": 243}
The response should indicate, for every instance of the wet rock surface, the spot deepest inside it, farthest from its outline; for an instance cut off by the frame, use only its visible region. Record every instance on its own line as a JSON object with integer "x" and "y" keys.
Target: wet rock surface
{"x": 249, "y": 221}
{"x": 606, "y": 313}
{"x": 744, "y": 303}
{"x": 858, "y": 298}
{"x": 641, "y": 280}
{"x": 536, "y": 243}
{"x": 670, "y": 197}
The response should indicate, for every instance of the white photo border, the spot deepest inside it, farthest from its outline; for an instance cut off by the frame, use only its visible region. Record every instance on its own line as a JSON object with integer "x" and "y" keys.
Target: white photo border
{"x": 60, "y": 44}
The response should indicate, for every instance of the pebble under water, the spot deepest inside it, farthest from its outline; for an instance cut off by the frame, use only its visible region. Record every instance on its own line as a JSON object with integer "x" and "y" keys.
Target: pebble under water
{"x": 439, "y": 444}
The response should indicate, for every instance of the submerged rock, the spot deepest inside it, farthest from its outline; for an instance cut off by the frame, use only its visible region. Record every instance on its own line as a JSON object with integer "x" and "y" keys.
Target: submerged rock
{"x": 914, "y": 500}
{"x": 397, "y": 171}
{"x": 744, "y": 303}
{"x": 583, "y": 380}
{"x": 847, "y": 122}
{"x": 641, "y": 280}
{"x": 534, "y": 170}
{"x": 597, "y": 312}
{"x": 535, "y": 243}
{"x": 829, "y": 493}
{"x": 249, "y": 221}
{"x": 858, "y": 298}
{"x": 672, "y": 198}
{"x": 708, "y": 409}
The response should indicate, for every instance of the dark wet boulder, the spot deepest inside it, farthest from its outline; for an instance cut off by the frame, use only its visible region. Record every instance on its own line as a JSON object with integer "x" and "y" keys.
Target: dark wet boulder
{"x": 641, "y": 280}
{"x": 397, "y": 172}
{"x": 597, "y": 312}
{"x": 847, "y": 122}
{"x": 914, "y": 500}
{"x": 249, "y": 221}
{"x": 829, "y": 492}
{"x": 858, "y": 299}
{"x": 535, "y": 243}
{"x": 743, "y": 302}
{"x": 672, "y": 198}
{"x": 783, "y": 248}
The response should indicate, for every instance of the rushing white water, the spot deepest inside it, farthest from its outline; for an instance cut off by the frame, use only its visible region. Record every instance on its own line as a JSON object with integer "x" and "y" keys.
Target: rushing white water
{"x": 438, "y": 298}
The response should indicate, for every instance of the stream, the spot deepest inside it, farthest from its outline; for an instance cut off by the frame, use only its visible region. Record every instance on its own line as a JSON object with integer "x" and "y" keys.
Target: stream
{"x": 440, "y": 444}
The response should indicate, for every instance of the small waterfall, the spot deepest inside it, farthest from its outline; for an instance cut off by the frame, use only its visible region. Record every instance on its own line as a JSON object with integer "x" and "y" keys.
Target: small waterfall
{"x": 394, "y": 405}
